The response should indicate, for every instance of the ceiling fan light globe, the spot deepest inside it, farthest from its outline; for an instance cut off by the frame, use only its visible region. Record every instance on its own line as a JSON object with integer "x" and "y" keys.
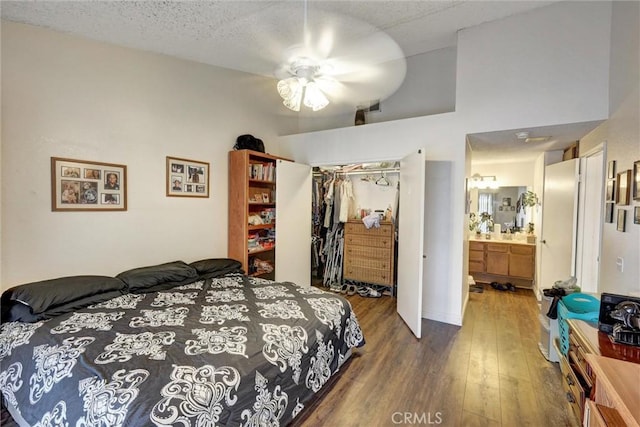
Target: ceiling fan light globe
{"x": 314, "y": 98}
{"x": 293, "y": 103}
{"x": 288, "y": 87}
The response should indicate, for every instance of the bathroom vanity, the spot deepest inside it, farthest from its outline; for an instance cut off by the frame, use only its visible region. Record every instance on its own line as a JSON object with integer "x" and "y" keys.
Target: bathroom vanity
{"x": 502, "y": 261}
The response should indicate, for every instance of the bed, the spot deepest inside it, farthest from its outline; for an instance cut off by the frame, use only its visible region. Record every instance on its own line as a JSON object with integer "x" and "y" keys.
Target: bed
{"x": 177, "y": 344}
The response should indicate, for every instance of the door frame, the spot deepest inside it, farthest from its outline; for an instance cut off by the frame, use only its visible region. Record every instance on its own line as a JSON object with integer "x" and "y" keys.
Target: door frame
{"x": 591, "y": 193}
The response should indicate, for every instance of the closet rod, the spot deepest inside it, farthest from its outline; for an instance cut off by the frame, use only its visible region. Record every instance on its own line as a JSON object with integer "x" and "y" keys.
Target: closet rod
{"x": 360, "y": 171}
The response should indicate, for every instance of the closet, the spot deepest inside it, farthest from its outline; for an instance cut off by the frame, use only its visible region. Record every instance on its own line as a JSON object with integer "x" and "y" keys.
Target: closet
{"x": 344, "y": 249}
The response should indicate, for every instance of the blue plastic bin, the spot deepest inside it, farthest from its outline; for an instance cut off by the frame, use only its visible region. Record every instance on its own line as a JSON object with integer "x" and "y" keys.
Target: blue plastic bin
{"x": 575, "y": 306}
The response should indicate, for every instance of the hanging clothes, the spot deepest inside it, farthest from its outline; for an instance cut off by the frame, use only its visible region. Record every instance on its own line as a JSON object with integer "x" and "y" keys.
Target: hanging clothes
{"x": 337, "y": 195}
{"x": 347, "y": 200}
{"x": 333, "y": 251}
{"x": 328, "y": 200}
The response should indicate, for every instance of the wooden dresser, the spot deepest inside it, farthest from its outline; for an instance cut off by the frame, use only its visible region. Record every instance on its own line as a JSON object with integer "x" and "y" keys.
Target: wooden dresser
{"x": 369, "y": 253}
{"x": 600, "y": 377}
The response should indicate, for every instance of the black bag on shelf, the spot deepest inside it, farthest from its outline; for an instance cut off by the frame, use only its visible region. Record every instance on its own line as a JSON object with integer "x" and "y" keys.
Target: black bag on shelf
{"x": 249, "y": 142}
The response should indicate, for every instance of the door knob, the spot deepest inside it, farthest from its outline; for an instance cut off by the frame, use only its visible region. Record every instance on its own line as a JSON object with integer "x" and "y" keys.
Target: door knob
{"x": 544, "y": 241}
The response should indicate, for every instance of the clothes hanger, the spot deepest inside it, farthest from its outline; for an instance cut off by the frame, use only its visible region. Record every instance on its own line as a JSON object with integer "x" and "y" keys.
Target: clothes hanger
{"x": 383, "y": 180}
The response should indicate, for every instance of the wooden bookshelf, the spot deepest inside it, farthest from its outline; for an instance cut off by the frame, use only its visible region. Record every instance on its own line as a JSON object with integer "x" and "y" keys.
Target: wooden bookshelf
{"x": 252, "y": 191}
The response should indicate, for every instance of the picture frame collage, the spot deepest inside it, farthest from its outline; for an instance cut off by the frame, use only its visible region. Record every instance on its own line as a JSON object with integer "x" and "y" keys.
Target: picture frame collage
{"x": 82, "y": 185}
{"x": 187, "y": 178}
{"x": 621, "y": 189}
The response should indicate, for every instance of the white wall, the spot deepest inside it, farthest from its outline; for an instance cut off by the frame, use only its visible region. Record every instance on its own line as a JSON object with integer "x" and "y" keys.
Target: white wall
{"x": 369, "y": 195}
{"x": 69, "y": 97}
{"x": 521, "y": 68}
{"x": 512, "y": 174}
{"x": 622, "y": 135}
{"x": 495, "y": 91}
{"x": 429, "y": 87}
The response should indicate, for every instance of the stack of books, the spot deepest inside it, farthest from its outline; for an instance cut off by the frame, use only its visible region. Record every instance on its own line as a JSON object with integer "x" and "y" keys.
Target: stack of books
{"x": 262, "y": 171}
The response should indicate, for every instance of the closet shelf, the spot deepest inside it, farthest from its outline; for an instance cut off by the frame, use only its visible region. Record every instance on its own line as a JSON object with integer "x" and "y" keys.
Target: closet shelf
{"x": 262, "y": 226}
{"x": 261, "y": 250}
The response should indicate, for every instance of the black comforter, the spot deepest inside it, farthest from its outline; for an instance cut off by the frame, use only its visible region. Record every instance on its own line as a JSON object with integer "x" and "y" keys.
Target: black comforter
{"x": 227, "y": 351}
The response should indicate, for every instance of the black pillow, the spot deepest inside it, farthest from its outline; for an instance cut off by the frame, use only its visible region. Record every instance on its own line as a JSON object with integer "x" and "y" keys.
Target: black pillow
{"x": 79, "y": 304}
{"x": 26, "y": 302}
{"x": 18, "y": 312}
{"x": 40, "y": 296}
{"x": 146, "y": 278}
{"x": 216, "y": 267}
{"x": 14, "y": 311}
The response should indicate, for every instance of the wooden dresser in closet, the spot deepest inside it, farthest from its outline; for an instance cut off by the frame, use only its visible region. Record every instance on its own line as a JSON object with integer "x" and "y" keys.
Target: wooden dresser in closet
{"x": 369, "y": 253}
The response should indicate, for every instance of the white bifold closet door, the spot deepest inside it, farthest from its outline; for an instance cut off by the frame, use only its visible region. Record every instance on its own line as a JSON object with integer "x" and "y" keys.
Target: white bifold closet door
{"x": 293, "y": 223}
{"x": 411, "y": 240}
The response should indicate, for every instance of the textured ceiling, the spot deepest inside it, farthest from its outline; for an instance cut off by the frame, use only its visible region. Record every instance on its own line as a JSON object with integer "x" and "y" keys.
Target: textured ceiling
{"x": 251, "y": 36}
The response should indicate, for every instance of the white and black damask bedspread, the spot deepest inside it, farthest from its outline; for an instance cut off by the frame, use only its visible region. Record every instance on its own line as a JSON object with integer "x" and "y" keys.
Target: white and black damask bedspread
{"x": 227, "y": 351}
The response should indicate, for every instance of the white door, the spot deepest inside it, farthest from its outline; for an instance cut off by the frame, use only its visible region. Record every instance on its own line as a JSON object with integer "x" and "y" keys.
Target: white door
{"x": 293, "y": 223}
{"x": 590, "y": 220}
{"x": 559, "y": 220}
{"x": 411, "y": 240}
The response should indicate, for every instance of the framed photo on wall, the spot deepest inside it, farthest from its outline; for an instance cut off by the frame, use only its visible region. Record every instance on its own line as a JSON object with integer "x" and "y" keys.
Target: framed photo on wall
{"x": 636, "y": 180}
{"x": 82, "y": 185}
{"x": 611, "y": 190}
{"x": 187, "y": 178}
{"x": 623, "y": 187}
{"x": 608, "y": 212}
{"x": 622, "y": 218}
{"x": 611, "y": 169}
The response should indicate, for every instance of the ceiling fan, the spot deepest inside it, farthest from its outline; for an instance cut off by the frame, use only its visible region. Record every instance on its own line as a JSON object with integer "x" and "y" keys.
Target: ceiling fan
{"x": 338, "y": 60}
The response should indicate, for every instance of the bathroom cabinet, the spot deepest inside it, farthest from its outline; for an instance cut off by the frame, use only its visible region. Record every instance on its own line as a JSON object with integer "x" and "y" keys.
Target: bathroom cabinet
{"x": 502, "y": 261}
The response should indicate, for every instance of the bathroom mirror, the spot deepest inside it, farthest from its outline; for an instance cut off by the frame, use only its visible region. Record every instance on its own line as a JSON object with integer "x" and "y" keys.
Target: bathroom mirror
{"x": 502, "y": 204}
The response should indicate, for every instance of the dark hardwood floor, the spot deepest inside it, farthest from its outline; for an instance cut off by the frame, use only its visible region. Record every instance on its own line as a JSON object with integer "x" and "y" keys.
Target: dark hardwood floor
{"x": 489, "y": 372}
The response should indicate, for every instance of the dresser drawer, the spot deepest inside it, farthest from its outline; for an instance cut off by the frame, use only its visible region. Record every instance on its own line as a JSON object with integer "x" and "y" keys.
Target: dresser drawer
{"x": 573, "y": 391}
{"x": 522, "y": 249}
{"x": 476, "y": 246}
{"x": 497, "y": 247}
{"x": 359, "y": 228}
{"x": 368, "y": 275}
{"x": 363, "y": 252}
{"x": 381, "y": 264}
{"x": 368, "y": 241}
{"x": 577, "y": 356}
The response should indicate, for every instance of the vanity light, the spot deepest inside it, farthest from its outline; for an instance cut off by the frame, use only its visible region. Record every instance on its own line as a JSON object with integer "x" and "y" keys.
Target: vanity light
{"x": 479, "y": 181}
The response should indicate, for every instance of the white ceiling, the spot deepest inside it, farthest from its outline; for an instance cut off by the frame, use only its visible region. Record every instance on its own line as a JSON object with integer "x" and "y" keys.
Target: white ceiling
{"x": 251, "y": 36}
{"x": 505, "y": 147}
